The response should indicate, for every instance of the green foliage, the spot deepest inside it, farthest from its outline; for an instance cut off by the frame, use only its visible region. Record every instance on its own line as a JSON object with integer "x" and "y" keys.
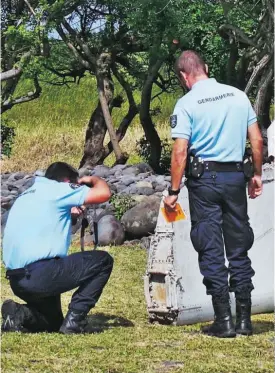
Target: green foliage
{"x": 143, "y": 149}
{"x": 122, "y": 203}
{"x": 7, "y": 138}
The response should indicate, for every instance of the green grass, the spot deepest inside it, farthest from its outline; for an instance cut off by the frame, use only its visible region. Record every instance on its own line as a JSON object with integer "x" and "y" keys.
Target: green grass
{"x": 128, "y": 344}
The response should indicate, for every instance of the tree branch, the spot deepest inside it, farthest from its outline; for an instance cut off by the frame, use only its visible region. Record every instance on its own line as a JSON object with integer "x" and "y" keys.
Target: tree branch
{"x": 8, "y": 104}
{"x": 80, "y": 42}
{"x": 14, "y": 72}
{"x": 239, "y": 33}
{"x": 75, "y": 52}
{"x": 259, "y": 67}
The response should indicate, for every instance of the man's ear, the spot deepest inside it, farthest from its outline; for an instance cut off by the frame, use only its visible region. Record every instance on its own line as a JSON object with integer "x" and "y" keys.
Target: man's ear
{"x": 206, "y": 69}
{"x": 183, "y": 76}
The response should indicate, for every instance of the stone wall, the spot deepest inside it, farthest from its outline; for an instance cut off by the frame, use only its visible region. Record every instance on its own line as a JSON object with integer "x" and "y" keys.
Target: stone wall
{"x": 138, "y": 222}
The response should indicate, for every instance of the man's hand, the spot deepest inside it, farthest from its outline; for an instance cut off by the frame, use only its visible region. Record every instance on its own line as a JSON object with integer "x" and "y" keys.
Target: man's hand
{"x": 88, "y": 180}
{"x": 255, "y": 187}
{"x": 170, "y": 203}
{"x": 77, "y": 211}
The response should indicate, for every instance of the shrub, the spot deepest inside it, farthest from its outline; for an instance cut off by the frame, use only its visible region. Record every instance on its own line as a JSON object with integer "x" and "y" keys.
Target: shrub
{"x": 7, "y": 137}
{"x": 121, "y": 204}
{"x": 143, "y": 149}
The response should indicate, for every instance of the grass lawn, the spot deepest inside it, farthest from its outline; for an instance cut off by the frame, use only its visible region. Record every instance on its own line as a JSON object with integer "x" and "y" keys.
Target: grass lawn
{"x": 126, "y": 342}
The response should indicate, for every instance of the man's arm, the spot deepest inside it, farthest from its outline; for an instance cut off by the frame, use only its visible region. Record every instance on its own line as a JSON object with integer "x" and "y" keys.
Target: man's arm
{"x": 255, "y": 137}
{"x": 178, "y": 164}
{"x": 256, "y": 141}
{"x": 99, "y": 192}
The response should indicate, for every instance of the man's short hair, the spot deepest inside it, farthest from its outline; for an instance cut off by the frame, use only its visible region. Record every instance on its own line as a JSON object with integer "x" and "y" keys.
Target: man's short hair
{"x": 60, "y": 171}
{"x": 190, "y": 62}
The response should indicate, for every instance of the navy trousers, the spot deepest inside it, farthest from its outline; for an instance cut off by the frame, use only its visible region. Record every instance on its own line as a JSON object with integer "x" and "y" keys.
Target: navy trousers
{"x": 41, "y": 283}
{"x": 220, "y": 226}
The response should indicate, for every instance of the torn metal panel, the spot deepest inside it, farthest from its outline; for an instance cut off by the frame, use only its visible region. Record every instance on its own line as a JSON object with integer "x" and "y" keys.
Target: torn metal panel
{"x": 173, "y": 283}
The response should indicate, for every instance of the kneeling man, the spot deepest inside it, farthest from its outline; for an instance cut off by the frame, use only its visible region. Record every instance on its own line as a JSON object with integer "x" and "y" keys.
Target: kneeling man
{"x": 35, "y": 245}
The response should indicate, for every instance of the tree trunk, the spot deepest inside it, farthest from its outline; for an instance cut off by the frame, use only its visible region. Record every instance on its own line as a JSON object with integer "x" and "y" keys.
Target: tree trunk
{"x": 261, "y": 104}
{"x": 231, "y": 64}
{"x": 103, "y": 69}
{"x": 95, "y": 134}
{"x": 145, "y": 117}
{"x": 121, "y": 132}
{"x": 93, "y": 149}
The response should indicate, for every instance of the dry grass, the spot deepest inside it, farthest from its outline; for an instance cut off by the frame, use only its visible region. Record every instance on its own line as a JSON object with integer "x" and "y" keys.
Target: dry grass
{"x": 45, "y": 146}
{"x": 53, "y": 127}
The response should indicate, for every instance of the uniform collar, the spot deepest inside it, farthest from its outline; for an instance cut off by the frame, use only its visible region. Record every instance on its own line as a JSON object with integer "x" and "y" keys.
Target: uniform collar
{"x": 43, "y": 179}
{"x": 203, "y": 82}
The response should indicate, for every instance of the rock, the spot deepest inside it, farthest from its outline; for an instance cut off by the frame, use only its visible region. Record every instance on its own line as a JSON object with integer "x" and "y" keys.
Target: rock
{"x": 4, "y": 218}
{"x": 132, "y": 170}
{"x": 101, "y": 171}
{"x": 141, "y": 220}
{"x": 118, "y": 169}
{"x": 84, "y": 172}
{"x": 167, "y": 178}
{"x": 14, "y": 193}
{"x": 40, "y": 173}
{"x": 154, "y": 197}
{"x": 144, "y": 175}
{"x": 145, "y": 191}
{"x": 144, "y": 184}
{"x": 110, "y": 231}
{"x": 11, "y": 179}
{"x": 5, "y": 176}
{"x": 113, "y": 180}
{"x": 160, "y": 187}
{"x": 109, "y": 211}
{"x": 5, "y": 192}
{"x": 120, "y": 187}
{"x": 140, "y": 198}
{"x": 160, "y": 179}
{"x": 144, "y": 167}
{"x": 158, "y": 194}
{"x": 19, "y": 175}
{"x": 113, "y": 188}
{"x": 27, "y": 184}
{"x": 145, "y": 242}
{"x": 128, "y": 180}
{"x": 7, "y": 202}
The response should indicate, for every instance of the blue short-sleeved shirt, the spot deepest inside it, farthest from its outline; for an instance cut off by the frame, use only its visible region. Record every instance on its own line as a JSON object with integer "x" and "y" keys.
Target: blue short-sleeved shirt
{"x": 39, "y": 222}
{"x": 214, "y": 118}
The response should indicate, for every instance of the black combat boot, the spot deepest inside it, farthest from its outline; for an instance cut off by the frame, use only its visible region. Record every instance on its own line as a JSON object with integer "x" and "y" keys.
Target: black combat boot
{"x": 222, "y": 326}
{"x": 243, "y": 316}
{"x": 74, "y": 323}
{"x": 12, "y": 317}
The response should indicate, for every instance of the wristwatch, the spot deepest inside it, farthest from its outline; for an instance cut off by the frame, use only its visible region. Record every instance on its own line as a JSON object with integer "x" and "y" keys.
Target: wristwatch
{"x": 172, "y": 192}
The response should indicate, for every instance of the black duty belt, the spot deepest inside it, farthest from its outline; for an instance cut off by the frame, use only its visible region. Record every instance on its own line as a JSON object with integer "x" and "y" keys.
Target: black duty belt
{"x": 25, "y": 271}
{"x": 223, "y": 166}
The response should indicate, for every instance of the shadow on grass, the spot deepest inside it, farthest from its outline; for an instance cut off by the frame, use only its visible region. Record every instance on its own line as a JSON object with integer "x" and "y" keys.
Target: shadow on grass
{"x": 260, "y": 327}
{"x": 100, "y": 322}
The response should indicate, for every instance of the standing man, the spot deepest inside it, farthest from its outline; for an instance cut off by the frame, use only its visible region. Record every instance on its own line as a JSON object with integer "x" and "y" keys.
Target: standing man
{"x": 35, "y": 246}
{"x": 210, "y": 125}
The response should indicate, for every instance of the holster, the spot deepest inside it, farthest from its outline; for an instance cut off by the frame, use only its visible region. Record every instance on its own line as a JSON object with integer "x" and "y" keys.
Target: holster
{"x": 195, "y": 167}
{"x": 248, "y": 168}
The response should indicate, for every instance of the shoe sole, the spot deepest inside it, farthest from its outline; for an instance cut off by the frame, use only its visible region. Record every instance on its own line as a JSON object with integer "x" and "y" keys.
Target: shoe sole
{"x": 245, "y": 333}
{"x": 68, "y": 331}
{"x": 229, "y": 334}
{"x": 8, "y": 311}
